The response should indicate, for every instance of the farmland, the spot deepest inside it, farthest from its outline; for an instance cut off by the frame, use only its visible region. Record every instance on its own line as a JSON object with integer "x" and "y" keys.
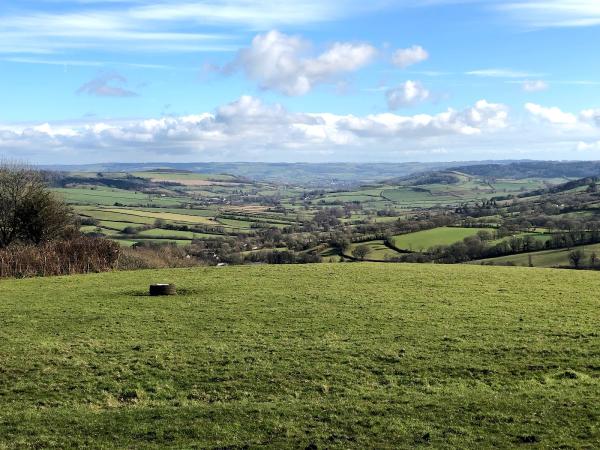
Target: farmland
{"x": 424, "y": 217}
{"x": 433, "y": 237}
{"x": 547, "y": 258}
{"x": 168, "y": 205}
{"x": 287, "y": 356}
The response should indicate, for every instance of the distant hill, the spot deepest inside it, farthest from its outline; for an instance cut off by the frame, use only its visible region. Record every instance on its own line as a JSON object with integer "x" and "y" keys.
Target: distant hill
{"x": 533, "y": 169}
{"x": 304, "y": 173}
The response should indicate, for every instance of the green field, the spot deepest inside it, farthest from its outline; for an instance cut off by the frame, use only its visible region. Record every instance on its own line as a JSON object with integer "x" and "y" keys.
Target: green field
{"x": 436, "y": 236}
{"x": 175, "y": 234}
{"x": 157, "y": 214}
{"x": 338, "y": 356}
{"x": 546, "y": 258}
{"x": 183, "y": 176}
{"x": 379, "y": 251}
{"x": 108, "y": 197}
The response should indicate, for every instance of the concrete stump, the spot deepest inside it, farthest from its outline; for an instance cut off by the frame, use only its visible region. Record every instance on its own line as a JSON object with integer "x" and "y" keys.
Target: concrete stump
{"x": 162, "y": 289}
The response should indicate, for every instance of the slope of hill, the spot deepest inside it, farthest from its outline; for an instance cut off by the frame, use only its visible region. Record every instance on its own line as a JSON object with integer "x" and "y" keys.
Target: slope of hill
{"x": 339, "y": 356}
{"x": 534, "y": 169}
{"x": 304, "y": 173}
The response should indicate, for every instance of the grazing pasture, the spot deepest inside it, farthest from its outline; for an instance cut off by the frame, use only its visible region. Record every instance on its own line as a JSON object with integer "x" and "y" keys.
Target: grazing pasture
{"x": 330, "y": 355}
{"x": 379, "y": 251}
{"x": 184, "y": 177}
{"x": 436, "y": 236}
{"x": 107, "y": 196}
{"x": 187, "y": 218}
{"x": 546, "y": 258}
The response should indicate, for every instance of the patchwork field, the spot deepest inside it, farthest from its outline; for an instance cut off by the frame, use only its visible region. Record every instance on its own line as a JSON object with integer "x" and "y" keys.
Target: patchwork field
{"x": 437, "y": 236}
{"x": 108, "y": 197}
{"x": 292, "y": 356}
{"x": 185, "y": 177}
{"x": 379, "y": 251}
{"x": 547, "y": 258}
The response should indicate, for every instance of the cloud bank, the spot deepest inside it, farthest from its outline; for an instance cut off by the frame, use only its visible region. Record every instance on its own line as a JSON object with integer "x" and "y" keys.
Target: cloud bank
{"x": 248, "y": 129}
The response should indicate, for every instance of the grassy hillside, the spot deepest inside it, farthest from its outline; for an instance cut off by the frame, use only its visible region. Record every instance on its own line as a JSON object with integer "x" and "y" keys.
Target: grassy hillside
{"x": 437, "y": 236}
{"x": 548, "y": 258}
{"x": 340, "y": 356}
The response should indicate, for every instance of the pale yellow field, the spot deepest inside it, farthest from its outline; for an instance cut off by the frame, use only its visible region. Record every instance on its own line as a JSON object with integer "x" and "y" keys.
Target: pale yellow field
{"x": 165, "y": 216}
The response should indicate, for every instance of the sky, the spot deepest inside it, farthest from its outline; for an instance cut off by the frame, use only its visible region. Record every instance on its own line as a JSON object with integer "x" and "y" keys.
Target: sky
{"x": 85, "y": 81}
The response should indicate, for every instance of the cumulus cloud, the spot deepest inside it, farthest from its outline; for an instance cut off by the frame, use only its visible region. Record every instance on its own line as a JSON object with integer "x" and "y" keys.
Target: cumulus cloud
{"x": 107, "y": 85}
{"x": 591, "y": 116}
{"x": 535, "y": 86}
{"x": 581, "y": 130}
{"x": 278, "y": 62}
{"x": 407, "y": 94}
{"x": 250, "y": 129}
{"x": 552, "y": 115}
{"x": 406, "y": 57}
{"x": 588, "y": 146}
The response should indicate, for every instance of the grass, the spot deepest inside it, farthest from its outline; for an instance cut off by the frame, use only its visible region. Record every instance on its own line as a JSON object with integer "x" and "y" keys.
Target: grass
{"x": 174, "y": 217}
{"x": 546, "y": 258}
{"x": 287, "y": 356}
{"x": 106, "y": 215}
{"x": 436, "y": 236}
{"x": 183, "y": 176}
{"x": 176, "y": 234}
{"x": 379, "y": 251}
{"x": 108, "y": 197}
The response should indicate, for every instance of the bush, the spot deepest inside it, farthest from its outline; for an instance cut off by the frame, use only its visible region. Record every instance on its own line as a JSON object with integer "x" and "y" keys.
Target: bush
{"x": 155, "y": 257}
{"x": 29, "y": 212}
{"x": 361, "y": 252}
{"x": 64, "y": 257}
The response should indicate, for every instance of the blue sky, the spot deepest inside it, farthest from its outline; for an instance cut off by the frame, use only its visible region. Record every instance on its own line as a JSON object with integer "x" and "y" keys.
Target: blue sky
{"x": 336, "y": 80}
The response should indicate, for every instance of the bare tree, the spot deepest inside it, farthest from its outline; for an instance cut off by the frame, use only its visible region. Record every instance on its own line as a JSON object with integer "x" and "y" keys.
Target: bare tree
{"x": 361, "y": 252}
{"x": 575, "y": 258}
{"x": 29, "y": 212}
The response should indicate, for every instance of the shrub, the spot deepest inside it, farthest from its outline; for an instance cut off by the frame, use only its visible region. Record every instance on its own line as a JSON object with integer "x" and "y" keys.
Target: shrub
{"x": 155, "y": 257}
{"x": 361, "y": 252}
{"x": 63, "y": 257}
{"x": 29, "y": 212}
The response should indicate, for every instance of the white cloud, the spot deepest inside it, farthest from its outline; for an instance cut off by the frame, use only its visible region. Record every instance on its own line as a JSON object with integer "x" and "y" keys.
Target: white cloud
{"x": 501, "y": 73}
{"x": 256, "y": 14}
{"x": 406, "y": 57}
{"x": 553, "y": 13}
{"x": 535, "y": 86}
{"x": 250, "y": 129}
{"x": 114, "y": 30}
{"x": 277, "y": 62}
{"x": 160, "y": 26}
{"x": 109, "y": 84}
{"x": 591, "y": 116}
{"x": 552, "y": 115}
{"x": 407, "y": 94}
{"x": 588, "y": 146}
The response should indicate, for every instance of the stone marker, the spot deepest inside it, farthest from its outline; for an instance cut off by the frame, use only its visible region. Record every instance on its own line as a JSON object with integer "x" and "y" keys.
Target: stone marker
{"x": 162, "y": 289}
